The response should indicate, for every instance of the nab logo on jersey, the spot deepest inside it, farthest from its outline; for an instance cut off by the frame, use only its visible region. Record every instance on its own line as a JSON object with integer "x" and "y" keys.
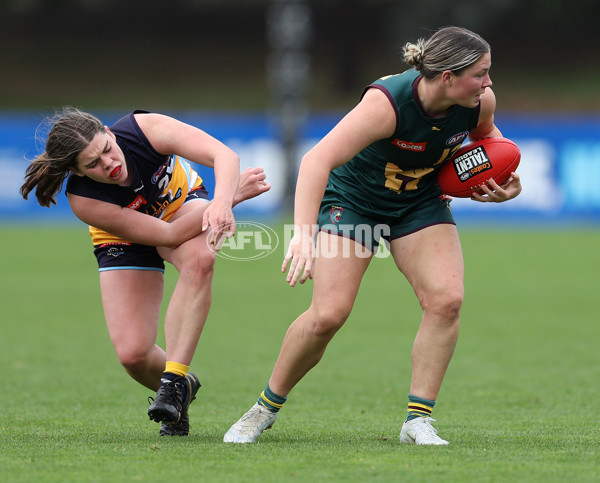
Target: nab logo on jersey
{"x": 409, "y": 146}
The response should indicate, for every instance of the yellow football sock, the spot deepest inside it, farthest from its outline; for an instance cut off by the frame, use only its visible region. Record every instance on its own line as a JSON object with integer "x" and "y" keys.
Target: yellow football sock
{"x": 177, "y": 368}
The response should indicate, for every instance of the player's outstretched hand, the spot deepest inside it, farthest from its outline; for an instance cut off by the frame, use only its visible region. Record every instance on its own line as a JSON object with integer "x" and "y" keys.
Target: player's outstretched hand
{"x": 496, "y": 193}
{"x": 300, "y": 258}
{"x": 219, "y": 219}
{"x": 253, "y": 182}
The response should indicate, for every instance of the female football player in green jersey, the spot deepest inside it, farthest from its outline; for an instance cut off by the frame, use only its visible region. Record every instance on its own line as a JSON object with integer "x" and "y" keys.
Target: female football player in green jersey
{"x": 145, "y": 204}
{"x": 374, "y": 176}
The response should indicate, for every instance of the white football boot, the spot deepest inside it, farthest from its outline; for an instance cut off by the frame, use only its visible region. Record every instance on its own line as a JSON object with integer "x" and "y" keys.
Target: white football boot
{"x": 420, "y": 431}
{"x": 251, "y": 425}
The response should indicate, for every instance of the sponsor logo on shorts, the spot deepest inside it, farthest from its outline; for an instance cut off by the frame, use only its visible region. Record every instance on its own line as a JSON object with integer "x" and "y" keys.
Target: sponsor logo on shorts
{"x": 335, "y": 214}
{"x": 471, "y": 163}
{"x": 409, "y": 146}
{"x": 115, "y": 251}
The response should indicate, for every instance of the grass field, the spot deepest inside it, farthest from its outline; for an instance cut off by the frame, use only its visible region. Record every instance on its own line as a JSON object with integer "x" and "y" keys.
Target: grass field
{"x": 519, "y": 402}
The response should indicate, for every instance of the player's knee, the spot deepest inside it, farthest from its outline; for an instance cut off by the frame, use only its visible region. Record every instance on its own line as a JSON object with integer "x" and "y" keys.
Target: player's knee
{"x": 329, "y": 320}
{"x": 445, "y": 302}
{"x": 200, "y": 264}
{"x": 134, "y": 359}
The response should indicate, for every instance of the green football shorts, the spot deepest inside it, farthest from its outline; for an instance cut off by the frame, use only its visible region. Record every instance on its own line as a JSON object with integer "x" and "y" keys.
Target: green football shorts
{"x": 336, "y": 217}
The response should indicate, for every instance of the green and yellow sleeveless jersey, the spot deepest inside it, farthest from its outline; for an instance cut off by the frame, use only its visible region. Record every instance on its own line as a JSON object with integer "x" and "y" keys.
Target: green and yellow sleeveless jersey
{"x": 402, "y": 170}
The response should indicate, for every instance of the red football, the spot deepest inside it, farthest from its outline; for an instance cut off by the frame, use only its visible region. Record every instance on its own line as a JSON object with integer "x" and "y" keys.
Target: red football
{"x": 473, "y": 164}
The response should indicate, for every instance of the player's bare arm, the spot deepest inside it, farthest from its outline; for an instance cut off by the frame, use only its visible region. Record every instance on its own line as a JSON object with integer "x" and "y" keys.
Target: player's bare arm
{"x": 371, "y": 120}
{"x": 134, "y": 226}
{"x": 168, "y": 135}
{"x": 486, "y": 127}
{"x": 494, "y": 193}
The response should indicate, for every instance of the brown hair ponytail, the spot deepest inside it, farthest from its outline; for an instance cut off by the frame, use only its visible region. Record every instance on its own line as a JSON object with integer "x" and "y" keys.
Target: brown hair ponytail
{"x": 70, "y": 133}
{"x": 450, "y": 48}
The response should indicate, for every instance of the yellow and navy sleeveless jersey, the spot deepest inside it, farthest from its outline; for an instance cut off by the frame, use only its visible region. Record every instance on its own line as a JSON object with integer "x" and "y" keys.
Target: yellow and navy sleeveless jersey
{"x": 402, "y": 169}
{"x": 160, "y": 183}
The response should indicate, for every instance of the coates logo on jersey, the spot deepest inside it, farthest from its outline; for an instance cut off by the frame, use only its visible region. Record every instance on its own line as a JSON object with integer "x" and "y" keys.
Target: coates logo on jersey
{"x": 457, "y": 138}
{"x": 135, "y": 204}
{"x": 409, "y": 146}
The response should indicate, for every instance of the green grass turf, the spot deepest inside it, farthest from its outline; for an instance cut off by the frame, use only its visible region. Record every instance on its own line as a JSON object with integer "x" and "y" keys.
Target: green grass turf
{"x": 519, "y": 402}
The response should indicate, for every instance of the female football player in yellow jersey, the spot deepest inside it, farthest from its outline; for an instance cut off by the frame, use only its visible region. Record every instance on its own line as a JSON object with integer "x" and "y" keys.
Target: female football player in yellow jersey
{"x": 145, "y": 204}
{"x": 375, "y": 176}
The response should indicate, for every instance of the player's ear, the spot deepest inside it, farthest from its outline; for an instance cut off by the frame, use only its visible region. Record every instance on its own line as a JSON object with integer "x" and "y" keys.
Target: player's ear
{"x": 75, "y": 168}
{"x": 448, "y": 78}
{"x": 76, "y": 172}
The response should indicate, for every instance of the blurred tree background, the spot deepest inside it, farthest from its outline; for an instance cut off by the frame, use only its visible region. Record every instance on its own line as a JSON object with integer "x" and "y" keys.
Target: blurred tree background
{"x": 212, "y": 54}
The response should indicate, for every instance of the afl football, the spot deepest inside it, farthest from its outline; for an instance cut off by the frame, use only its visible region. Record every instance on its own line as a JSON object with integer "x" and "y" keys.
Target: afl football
{"x": 475, "y": 163}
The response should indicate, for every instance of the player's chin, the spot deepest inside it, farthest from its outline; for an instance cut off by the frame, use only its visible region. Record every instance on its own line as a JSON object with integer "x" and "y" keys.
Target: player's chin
{"x": 471, "y": 102}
